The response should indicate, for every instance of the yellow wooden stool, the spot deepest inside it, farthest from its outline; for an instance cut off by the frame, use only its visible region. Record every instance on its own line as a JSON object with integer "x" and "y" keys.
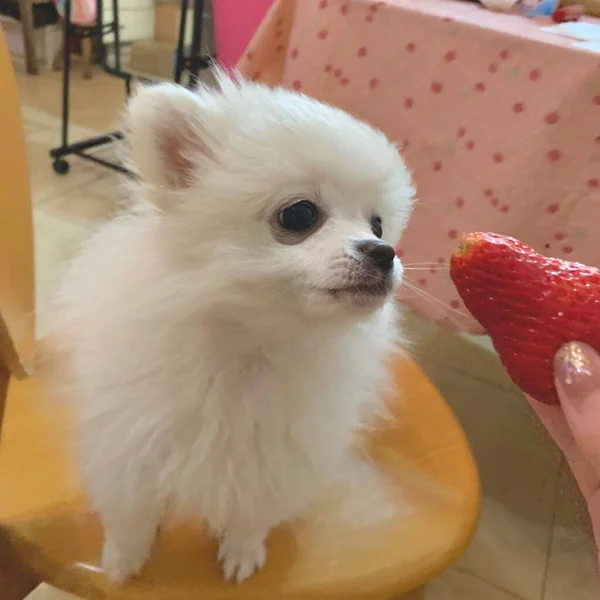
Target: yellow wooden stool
{"x": 409, "y": 514}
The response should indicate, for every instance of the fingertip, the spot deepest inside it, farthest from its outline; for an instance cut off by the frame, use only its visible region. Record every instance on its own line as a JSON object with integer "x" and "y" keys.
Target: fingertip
{"x": 577, "y": 372}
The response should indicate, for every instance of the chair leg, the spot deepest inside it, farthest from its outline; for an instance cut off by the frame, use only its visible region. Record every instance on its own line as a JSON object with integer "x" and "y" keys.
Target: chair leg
{"x": 26, "y": 13}
{"x": 57, "y": 64}
{"x": 52, "y": 44}
{"x": 16, "y": 582}
{"x": 4, "y": 381}
{"x": 87, "y": 47}
{"x": 418, "y": 594}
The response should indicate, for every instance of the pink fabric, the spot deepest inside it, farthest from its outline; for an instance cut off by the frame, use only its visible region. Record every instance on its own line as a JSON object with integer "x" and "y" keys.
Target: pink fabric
{"x": 235, "y": 21}
{"x": 83, "y": 12}
{"x": 499, "y": 121}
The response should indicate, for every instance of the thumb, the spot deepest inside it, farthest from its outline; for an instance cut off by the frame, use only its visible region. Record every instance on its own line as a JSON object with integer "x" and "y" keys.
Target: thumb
{"x": 577, "y": 377}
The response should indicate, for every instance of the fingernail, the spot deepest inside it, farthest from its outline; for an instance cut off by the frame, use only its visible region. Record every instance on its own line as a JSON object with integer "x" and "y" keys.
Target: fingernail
{"x": 577, "y": 371}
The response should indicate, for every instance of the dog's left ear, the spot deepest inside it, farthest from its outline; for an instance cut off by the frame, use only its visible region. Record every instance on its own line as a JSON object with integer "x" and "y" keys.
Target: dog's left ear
{"x": 168, "y": 142}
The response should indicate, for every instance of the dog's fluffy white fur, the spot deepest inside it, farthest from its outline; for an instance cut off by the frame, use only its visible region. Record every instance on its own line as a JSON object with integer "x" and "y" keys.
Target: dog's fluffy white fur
{"x": 219, "y": 366}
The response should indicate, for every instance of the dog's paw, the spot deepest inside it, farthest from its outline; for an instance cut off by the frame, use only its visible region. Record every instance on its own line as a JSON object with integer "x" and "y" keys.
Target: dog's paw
{"x": 119, "y": 563}
{"x": 241, "y": 558}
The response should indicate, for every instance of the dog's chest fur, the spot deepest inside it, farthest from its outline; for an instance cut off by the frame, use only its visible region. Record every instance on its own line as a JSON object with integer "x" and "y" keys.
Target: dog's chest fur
{"x": 273, "y": 425}
{"x": 260, "y": 430}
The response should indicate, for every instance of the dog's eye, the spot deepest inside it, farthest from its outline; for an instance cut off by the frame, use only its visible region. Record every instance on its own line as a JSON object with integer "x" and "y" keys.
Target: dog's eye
{"x": 376, "y": 227}
{"x": 299, "y": 217}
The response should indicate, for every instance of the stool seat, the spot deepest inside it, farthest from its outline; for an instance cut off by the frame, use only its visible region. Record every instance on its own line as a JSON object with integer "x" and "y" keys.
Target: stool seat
{"x": 395, "y": 521}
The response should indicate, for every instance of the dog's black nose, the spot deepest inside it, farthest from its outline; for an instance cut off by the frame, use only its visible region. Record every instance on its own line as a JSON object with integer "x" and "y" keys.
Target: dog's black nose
{"x": 381, "y": 253}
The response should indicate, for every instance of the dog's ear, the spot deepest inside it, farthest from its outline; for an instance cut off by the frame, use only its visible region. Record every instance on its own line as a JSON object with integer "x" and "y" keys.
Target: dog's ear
{"x": 166, "y": 136}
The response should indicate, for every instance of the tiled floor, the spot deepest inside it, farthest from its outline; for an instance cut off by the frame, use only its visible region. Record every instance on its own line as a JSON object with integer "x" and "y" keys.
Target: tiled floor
{"x": 534, "y": 541}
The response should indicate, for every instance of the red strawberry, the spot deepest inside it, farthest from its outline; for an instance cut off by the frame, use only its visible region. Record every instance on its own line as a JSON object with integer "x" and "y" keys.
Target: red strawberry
{"x": 529, "y": 304}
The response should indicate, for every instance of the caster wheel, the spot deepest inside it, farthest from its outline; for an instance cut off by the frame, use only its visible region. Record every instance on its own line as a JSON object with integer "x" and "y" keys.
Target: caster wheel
{"x": 61, "y": 166}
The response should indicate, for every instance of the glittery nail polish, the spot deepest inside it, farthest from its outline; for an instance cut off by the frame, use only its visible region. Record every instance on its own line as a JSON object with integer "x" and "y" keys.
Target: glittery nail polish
{"x": 577, "y": 371}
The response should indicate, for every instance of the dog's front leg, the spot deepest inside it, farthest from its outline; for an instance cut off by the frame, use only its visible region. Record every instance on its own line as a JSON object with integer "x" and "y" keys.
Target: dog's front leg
{"x": 129, "y": 532}
{"x": 242, "y": 551}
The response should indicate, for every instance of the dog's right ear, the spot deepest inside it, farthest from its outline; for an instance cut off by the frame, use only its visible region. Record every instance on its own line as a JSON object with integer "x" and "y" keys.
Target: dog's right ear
{"x": 167, "y": 139}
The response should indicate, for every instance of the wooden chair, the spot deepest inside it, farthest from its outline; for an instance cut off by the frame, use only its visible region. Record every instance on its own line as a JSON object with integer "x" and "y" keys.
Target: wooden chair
{"x": 410, "y": 515}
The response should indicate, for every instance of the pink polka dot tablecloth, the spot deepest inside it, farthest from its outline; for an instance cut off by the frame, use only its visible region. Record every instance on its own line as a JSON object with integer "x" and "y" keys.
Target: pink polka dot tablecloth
{"x": 498, "y": 121}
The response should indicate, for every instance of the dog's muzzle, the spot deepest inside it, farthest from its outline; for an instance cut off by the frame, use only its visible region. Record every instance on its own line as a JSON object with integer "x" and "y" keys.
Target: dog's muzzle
{"x": 377, "y": 255}
{"x": 371, "y": 275}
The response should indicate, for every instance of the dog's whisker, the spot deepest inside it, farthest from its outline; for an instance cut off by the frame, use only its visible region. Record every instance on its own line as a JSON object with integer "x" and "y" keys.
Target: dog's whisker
{"x": 433, "y": 299}
{"x": 438, "y": 268}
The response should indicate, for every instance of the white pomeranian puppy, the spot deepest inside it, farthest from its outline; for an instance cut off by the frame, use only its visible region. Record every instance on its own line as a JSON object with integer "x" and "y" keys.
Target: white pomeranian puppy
{"x": 226, "y": 337}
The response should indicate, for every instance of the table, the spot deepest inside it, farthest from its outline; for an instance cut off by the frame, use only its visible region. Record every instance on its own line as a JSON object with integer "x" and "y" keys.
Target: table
{"x": 498, "y": 121}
